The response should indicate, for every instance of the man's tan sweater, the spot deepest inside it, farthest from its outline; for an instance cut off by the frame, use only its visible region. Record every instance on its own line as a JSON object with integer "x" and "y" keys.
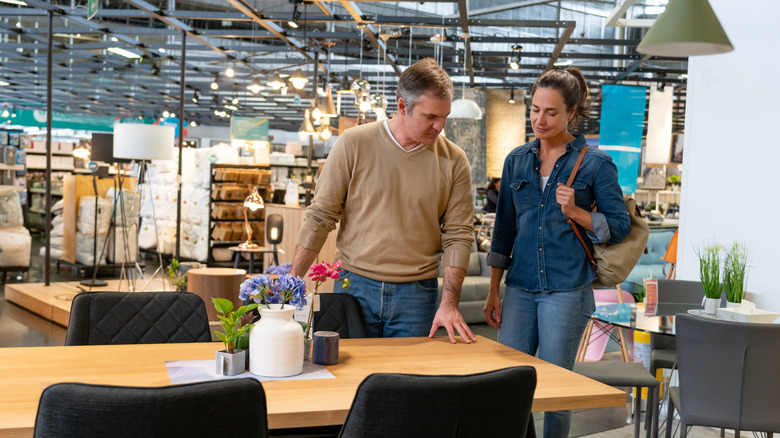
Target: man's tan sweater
{"x": 398, "y": 209}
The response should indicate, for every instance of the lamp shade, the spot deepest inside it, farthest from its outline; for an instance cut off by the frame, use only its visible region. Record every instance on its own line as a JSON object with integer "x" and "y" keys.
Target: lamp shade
{"x": 465, "y": 109}
{"x": 307, "y": 127}
{"x": 274, "y": 229}
{"x": 143, "y": 142}
{"x": 686, "y": 28}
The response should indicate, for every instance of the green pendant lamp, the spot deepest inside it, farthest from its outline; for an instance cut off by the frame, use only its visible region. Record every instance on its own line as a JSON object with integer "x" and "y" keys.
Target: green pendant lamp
{"x": 686, "y": 28}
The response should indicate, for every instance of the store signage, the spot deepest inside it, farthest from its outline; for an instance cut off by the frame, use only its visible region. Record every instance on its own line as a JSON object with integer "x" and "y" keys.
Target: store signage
{"x": 620, "y": 135}
{"x": 248, "y": 129}
{"x": 93, "y": 166}
{"x": 92, "y": 8}
{"x": 64, "y": 120}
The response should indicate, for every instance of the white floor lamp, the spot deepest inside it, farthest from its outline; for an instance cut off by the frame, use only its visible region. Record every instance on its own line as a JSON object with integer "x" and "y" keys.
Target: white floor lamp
{"x": 144, "y": 143}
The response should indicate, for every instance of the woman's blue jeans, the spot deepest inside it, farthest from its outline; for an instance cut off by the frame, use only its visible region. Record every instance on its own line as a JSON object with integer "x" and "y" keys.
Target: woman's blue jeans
{"x": 552, "y": 323}
{"x": 393, "y": 309}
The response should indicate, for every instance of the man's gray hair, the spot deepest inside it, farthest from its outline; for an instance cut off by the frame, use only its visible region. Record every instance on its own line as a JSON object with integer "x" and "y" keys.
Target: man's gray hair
{"x": 424, "y": 76}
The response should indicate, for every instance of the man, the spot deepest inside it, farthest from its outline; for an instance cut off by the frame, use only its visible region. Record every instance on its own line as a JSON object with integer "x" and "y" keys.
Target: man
{"x": 403, "y": 196}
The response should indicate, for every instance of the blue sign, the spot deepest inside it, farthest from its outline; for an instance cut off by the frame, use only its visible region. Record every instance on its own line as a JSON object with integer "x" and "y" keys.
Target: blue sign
{"x": 93, "y": 166}
{"x": 622, "y": 122}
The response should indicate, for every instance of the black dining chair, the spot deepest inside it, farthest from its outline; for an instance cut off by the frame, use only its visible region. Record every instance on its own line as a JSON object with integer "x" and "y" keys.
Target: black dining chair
{"x": 728, "y": 375}
{"x": 340, "y": 313}
{"x": 101, "y": 318}
{"x": 493, "y": 404}
{"x": 631, "y": 375}
{"x": 222, "y": 408}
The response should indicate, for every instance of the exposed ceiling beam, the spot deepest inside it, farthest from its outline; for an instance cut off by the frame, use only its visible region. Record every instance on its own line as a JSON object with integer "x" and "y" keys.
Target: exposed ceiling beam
{"x": 618, "y": 13}
{"x": 561, "y": 43}
{"x": 354, "y": 10}
{"x": 463, "y": 11}
{"x": 631, "y": 68}
{"x": 508, "y": 7}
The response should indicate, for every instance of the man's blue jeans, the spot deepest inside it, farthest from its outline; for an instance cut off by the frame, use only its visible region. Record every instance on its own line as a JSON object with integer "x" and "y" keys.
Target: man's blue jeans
{"x": 551, "y": 323}
{"x": 393, "y": 309}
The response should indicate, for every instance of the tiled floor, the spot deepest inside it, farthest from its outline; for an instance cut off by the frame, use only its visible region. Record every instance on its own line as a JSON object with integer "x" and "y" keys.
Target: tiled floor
{"x": 20, "y": 328}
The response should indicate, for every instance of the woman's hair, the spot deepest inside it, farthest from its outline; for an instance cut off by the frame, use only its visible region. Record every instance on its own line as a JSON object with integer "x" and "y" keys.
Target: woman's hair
{"x": 493, "y": 184}
{"x": 424, "y": 76}
{"x": 571, "y": 84}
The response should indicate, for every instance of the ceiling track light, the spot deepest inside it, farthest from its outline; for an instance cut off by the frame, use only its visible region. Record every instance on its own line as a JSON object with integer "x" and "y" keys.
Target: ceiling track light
{"x": 293, "y": 21}
{"x": 214, "y": 84}
{"x": 196, "y": 97}
{"x": 230, "y": 72}
{"x": 512, "y": 96}
{"x": 514, "y": 61}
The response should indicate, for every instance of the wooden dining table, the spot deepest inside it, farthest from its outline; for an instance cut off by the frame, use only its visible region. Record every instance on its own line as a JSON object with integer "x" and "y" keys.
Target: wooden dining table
{"x": 26, "y": 372}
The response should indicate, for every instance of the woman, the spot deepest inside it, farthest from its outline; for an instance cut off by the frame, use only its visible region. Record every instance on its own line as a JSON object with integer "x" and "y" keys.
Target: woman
{"x": 491, "y": 195}
{"x": 549, "y": 298}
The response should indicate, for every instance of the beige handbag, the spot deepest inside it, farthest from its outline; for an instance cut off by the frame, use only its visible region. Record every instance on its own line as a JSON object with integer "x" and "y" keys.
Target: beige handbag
{"x": 614, "y": 262}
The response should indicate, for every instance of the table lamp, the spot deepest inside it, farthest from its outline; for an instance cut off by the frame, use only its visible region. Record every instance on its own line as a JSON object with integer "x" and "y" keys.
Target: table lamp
{"x": 253, "y": 202}
{"x": 274, "y": 229}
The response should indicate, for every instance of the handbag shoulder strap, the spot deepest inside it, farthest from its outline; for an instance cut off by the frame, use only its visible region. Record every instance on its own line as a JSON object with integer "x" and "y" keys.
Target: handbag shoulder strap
{"x": 571, "y": 222}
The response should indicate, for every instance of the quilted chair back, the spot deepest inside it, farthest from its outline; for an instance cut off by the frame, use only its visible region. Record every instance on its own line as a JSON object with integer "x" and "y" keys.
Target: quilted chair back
{"x": 101, "y": 318}
{"x": 340, "y": 313}
{"x": 78, "y": 410}
{"x": 494, "y": 404}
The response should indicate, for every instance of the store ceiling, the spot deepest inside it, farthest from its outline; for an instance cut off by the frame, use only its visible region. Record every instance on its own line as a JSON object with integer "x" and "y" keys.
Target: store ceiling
{"x": 350, "y": 39}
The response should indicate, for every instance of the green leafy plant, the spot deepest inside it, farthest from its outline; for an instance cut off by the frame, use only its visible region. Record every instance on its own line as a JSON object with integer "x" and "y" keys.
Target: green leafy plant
{"x": 709, "y": 269}
{"x": 734, "y": 272}
{"x": 639, "y": 294}
{"x": 175, "y": 277}
{"x": 236, "y": 334}
{"x": 674, "y": 179}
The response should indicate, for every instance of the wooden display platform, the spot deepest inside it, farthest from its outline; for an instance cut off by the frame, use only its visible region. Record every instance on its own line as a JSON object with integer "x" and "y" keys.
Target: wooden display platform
{"x": 53, "y": 302}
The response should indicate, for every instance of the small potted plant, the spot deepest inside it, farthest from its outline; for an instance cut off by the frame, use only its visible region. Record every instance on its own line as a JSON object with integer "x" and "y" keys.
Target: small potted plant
{"x": 709, "y": 274}
{"x": 177, "y": 278}
{"x": 674, "y": 182}
{"x": 232, "y": 360}
{"x": 734, "y": 274}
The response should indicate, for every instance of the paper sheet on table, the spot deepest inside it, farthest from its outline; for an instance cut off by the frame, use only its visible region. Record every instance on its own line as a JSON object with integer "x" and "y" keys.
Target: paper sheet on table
{"x": 189, "y": 371}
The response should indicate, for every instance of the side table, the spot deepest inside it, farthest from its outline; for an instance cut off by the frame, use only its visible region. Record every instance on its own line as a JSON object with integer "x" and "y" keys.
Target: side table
{"x": 210, "y": 283}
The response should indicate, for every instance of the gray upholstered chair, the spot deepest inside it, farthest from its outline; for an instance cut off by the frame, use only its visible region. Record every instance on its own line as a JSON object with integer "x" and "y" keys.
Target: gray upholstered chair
{"x": 223, "y": 408}
{"x": 100, "y": 318}
{"x": 493, "y": 404}
{"x": 728, "y": 375}
{"x": 627, "y": 374}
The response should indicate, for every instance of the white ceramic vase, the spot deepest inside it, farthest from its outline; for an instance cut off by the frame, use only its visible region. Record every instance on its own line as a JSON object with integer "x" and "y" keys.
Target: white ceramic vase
{"x": 275, "y": 343}
{"x": 711, "y": 305}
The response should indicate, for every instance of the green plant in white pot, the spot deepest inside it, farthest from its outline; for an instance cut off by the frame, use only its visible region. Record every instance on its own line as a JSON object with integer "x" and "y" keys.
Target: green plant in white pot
{"x": 709, "y": 274}
{"x": 232, "y": 360}
{"x": 735, "y": 272}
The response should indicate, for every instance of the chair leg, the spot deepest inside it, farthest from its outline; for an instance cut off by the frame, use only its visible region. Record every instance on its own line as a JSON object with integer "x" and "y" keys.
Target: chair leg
{"x": 583, "y": 348}
{"x": 649, "y": 412}
{"x": 623, "y": 342}
{"x": 656, "y": 410}
{"x": 669, "y": 418}
{"x": 736, "y": 433}
{"x": 683, "y": 429}
{"x": 637, "y": 410}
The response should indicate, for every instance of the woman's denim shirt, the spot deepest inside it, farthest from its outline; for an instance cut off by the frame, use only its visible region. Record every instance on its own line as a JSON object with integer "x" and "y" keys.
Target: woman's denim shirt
{"x": 531, "y": 237}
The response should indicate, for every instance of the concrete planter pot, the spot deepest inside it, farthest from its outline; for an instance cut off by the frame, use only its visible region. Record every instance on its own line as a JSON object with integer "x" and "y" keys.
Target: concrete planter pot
{"x": 231, "y": 364}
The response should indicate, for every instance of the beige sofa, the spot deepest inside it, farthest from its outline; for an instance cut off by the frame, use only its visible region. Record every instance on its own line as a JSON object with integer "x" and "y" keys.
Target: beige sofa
{"x": 475, "y": 288}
